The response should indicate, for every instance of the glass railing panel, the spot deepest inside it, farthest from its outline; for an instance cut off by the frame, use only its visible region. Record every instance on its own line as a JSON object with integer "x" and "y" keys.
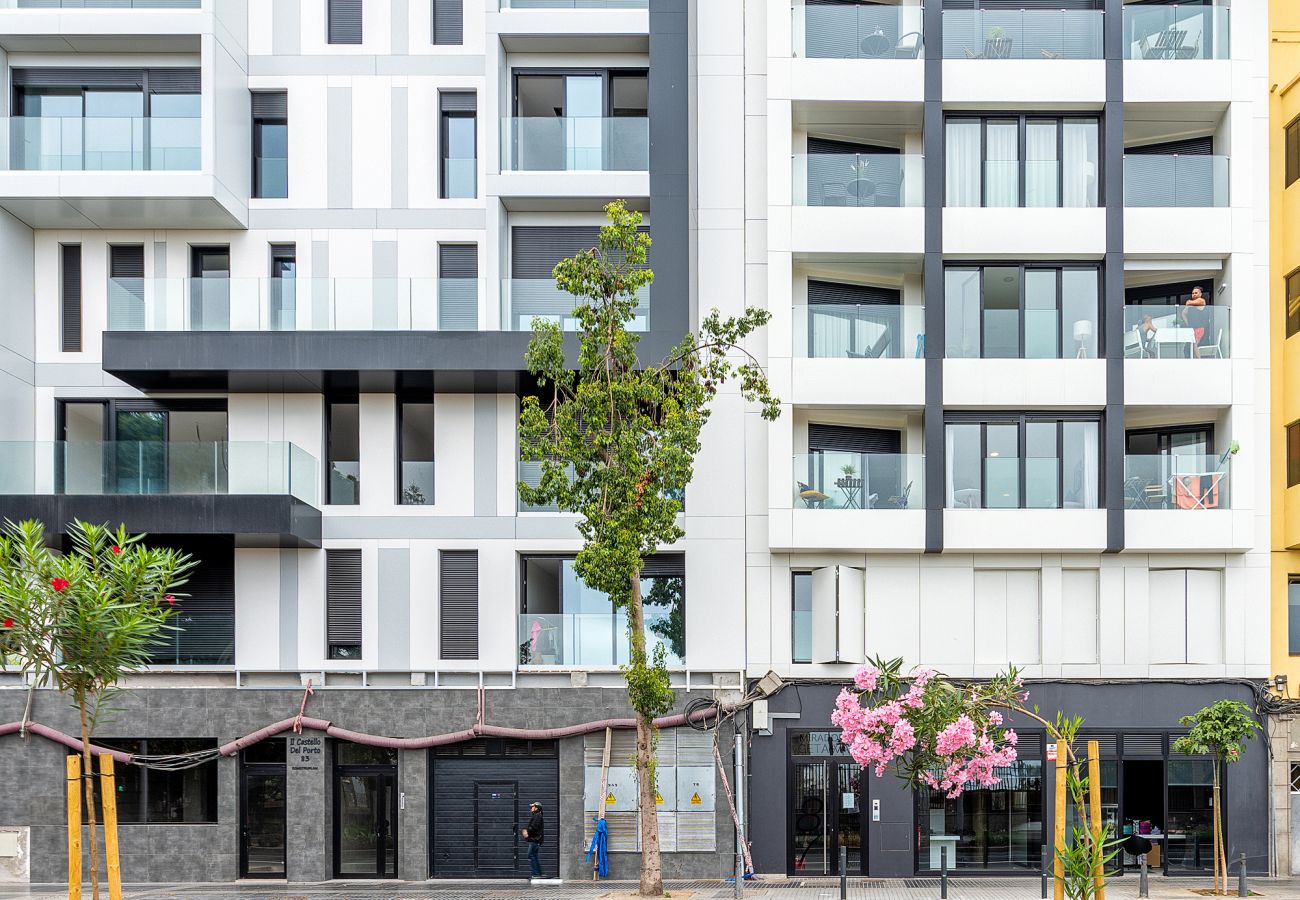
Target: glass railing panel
{"x": 19, "y": 464}
{"x": 1175, "y": 180}
{"x": 576, "y": 4}
{"x": 1042, "y": 183}
{"x": 304, "y": 475}
{"x": 458, "y": 304}
{"x": 1177, "y": 332}
{"x": 524, "y": 299}
{"x": 209, "y": 304}
{"x": 103, "y": 144}
{"x": 858, "y": 179}
{"x": 1002, "y": 483}
{"x": 1022, "y": 34}
{"x": 591, "y": 639}
{"x": 460, "y": 178}
{"x": 996, "y": 335}
{"x": 859, "y": 331}
{"x": 857, "y": 32}
{"x": 575, "y": 144}
{"x": 1177, "y": 481}
{"x": 530, "y": 473}
{"x": 1001, "y": 183}
{"x": 345, "y": 482}
{"x": 844, "y": 480}
{"x": 1175, "y": 31}
{"x": 272, "y": 177}
{"x": 1042, "y": 483}
{"x": 417, "y": 482}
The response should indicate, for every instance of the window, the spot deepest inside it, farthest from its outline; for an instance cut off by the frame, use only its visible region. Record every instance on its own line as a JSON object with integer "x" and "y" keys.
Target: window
{"x": 158, "y": 797}
{"x": 415, "y": 446}
{"x": 1007, "y": 616}
{"x": 70, "y": 298}
{"x": 1293, "y": 454}
{"x": 588, "y": 120}
{"x": 459, "y": 144}
{"x": 1293, "y": 303}
{"x": 564, "y": 622}
{"x": 343, "y": 450}
{"x": 270, "y": 144}
{"x": 209, "y": 289}
{"x": 801, "y": 617}
{"x": 458, "y": 287}
{"x": 204, "y": 614}
{"x": 1293, "y": 614}
{"x": 1186, "y": 616}
{"x": 284, "y": 287}
{"x": 343, "y": 604}
{"x": 448, "y": 21}
{"x": 1021, "y": 312}
{"x": 126, "y": 288}
{"x": 1292, "y": 152}
{"x": 344, "y": 21}
{"x": 1022, "y": 462}
{"x": 1022, "y": 161}
{"x": 458, "y": 604}
{"x": 1295, "y": 777}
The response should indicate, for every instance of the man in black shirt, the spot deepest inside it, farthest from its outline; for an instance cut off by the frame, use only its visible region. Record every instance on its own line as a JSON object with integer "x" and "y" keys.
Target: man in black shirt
{"x": 533, "y": 835}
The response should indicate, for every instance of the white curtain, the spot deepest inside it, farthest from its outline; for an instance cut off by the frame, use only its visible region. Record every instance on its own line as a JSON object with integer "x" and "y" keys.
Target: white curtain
{"x": 1080, "y": 460}
{"x": 1003, "y": 167}
{"x": 1040, "y": 164}
{"x": 1079, "y": 157}
{"x": 949, "y": 458}
{"x": 962, "y": 163}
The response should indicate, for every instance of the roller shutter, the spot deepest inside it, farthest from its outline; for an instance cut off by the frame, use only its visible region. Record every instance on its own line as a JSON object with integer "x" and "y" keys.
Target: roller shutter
{"x": 448, "y": 21}
{"x": 70, "y": 297}
{"x": 345, "y": 21}
{"x": 343, "y": 602}
{"x": 458, "y": 604}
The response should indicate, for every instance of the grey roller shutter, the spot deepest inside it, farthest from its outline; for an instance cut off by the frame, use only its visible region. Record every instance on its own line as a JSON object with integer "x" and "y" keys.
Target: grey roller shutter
{"x": 1197, "y": 146}
{"x": 534, "y": 250}
{"x": 458, "y": 260}
{"x": 204, "y": 616}
{"x": 70, "y": 298}
{"x": 173, "y": 81}
{"x": 664, "y": 565}
{"x": 343, "y": 598}
{"x": 270, "y": 104}
{"x": 458, "y": 287}
{"x": 458, "y": 604}
{"x": 458, "y": 101}
{"x": 826, "y": 292}
{"x": 842, "y": 438}
{"x": 448, "y": 22}
{"x": 126, "y": 262}
{"x": 1144, "y": 745}
{"x": 345, "y": 21}
{"x": 77, "y": 77}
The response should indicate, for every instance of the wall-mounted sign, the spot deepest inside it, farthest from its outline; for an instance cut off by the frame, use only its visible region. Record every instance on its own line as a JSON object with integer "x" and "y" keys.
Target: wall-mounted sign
{"x": 306, "y": 752}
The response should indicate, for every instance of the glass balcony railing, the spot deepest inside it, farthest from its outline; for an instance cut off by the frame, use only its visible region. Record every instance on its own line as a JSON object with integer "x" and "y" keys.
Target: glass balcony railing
{"x": 1022, "y": 34}
{"x": 69, "y": 144}
{"x": 1176, "y": 32}
{"x": 460, "y": 178}
{"x": 101, "y": 4}
{"x": 859, "y": 331}
{"x": 523, "y": 299}
{"x": 1176, "y": 180}
{"x": 158, "y": 467}
{"x": 1021, "y": 483}
{"x": 293, "y": 304}
{"x": 417, "y": 482}
{"x": 842, "y": 480}
{"x": 1177, "y": 332}
{"x": 858, "y": 179}
{"x": 1174, "y": 481}
{"x": 857, "y": 32}
{"x": 345, "y": 483}
{"x": 619, "y": 144}
{"x": 592, "y": 639}
{"x": 1047, "y": 334}
{"x": 575, "y": 4}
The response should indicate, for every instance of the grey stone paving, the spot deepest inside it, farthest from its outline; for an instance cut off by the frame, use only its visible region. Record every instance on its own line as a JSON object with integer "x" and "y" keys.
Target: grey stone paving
{"x": 769, "y": 889}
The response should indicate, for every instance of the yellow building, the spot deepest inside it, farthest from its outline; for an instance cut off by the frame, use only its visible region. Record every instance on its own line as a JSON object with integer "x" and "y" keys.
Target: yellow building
{"x": 1284, "y": 215}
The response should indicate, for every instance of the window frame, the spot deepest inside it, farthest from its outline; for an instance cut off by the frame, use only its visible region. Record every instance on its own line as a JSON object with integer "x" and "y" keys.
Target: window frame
{"x": 444, "y": 141}
{"x": 402, "y": 403}
{"x": 330, "y": 403}
{"x": 795, "y": 575}
{"x": 1062, "y": 337}
{"x": 1291, "y": 152}
{"x": 259, "y": 123}
{"x": 1293, "y": 454}
{"x": 1291, "y": 293}
{"x": 1293, "y": 609}
{"x": 142, "y": 749}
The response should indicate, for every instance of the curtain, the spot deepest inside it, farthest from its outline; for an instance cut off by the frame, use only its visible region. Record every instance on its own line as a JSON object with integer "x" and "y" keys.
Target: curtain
{"x": 949, "y": 459}
{"x": 1080, "y": 465}
{"x": 1079, "y": 154}
{"x": 1003, "y": 166}
{"x": 962, "y": 163}
{"x": 1040, "y": 164}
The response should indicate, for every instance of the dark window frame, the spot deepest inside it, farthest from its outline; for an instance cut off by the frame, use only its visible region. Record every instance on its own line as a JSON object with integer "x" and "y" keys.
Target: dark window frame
{"x": 1291, "y": 290}
{"x": 606, "y": 76}
{"x": 444, "y": 141}
{"x": 140, "y": 747}
{"x": 1291, "y": 152}
{"x": 1292, "y": 580}
{"x": 1059, "y": 268}
{"x": 259, "y": 123}
{"x": 71, "y": 311}
{"x": 1293, "y": 454}
{"x": 330, "y": 403}
{"x": 336, "y": 651}
{"x": 402, "y": 402}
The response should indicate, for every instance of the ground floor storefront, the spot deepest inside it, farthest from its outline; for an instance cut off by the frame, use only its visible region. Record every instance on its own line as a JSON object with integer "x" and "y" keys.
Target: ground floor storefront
{"x": 310, "y": 808}
{"x": 816, "y": 800}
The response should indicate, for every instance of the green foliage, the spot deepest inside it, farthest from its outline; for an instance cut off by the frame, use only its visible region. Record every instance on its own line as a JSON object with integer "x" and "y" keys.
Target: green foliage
{"x": 616, "y": 439}
{"x": 1220, "y": 730}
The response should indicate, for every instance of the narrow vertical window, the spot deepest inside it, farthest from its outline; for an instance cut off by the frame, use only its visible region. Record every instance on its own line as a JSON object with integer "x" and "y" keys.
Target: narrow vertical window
{"x": 801, "y": 617}
{"x": 458, "y": 287}
{"x": 1293, "y": 303}
{"x": 1293, "y": 615}
{"x": 70, "y": 298}
{"x": 415, "y": 442}
{"x": 459, "y": 144}
{"x": 344, "y": 21}
{"x": 343, "y": 604}
{"x": 344, "y": 453}
{"x": 126, "y": 310}
{"x": 448, "y": 22}
{"x": 284, "y": 287}
{"x": 1292, "y": 152}
{"x": 1293, "y": 454}
{"x": 458, "y": 604}
{"x": 270, "y": 144}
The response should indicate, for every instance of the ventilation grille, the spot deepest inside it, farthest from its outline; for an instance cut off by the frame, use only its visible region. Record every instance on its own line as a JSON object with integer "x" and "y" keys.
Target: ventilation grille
{"x": 70, "y": 297}
{"x": 458, "y": 604}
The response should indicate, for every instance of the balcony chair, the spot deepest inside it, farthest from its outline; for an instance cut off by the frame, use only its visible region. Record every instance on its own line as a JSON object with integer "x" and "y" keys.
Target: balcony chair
{"x": 1168, "y": 43}
{"x": 835, "y": 193}
{"x": 875, "y": 45}
{"x": 1192, "y": 52}
{"x": 811, "y": 497}
{"x": 1212, "y": 351}
{"x": 875, "y": 351}
{"x": 908, "y": 46}
{"x": 899, "y": 501}
{"x": 1133, "y": 493}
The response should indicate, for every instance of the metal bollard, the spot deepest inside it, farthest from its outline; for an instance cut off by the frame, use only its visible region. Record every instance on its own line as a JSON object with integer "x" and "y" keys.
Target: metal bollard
{"x": 1242, "y": 889}
{"x": 844, "y": 873}
{"x": 943, "y": 873}
{"x": 1144, "y": 889}
{"x": 1044, "y": 871}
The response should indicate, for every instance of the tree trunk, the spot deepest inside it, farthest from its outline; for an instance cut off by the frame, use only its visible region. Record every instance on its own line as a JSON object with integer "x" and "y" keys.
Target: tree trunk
{"x": 1218, "y": 824}
{"x": 1214, "y": 800}
{"x": 652, "y": 876}
{"x": 88, "y": 778}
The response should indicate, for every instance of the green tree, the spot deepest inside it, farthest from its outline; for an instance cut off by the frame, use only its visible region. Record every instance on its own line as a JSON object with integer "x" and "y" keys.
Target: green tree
{"x": 84, "y": 620}
{"x": 1219, "y": 731}
{"x": 616, "y": 441}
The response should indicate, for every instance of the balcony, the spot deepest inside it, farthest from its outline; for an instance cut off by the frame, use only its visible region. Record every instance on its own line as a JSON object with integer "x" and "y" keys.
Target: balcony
{"x": 857, "y": 202}
{"x": 857, "y": 32}
{"x": 103, "y": 144}
{"x": 557, "y": 158}
{"x": 1173, "y": 32}
{"x": 1177, "y": 332}
{"x": 592, "y": 640}
{"x": 524, "y": 299}
{"x": 1175, "y": 181}
{"x": 1182, "y": 502}
{"x": 1039, "y": 34}
{"x": 265, "y": 493}
{"x": 859, "y": 331}
{"x": 852, "y": 501}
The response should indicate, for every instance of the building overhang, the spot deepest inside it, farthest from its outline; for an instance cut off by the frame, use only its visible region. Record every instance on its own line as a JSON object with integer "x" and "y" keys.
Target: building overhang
{"x": 113, "y": 200}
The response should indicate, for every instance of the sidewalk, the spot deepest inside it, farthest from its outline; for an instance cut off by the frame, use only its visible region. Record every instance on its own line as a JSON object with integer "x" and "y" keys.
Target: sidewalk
{"x": 1125, "y": 888}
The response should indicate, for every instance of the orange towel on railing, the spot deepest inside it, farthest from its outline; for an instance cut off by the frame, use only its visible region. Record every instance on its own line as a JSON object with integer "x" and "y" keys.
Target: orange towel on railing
{"x": 1186, "y": 490}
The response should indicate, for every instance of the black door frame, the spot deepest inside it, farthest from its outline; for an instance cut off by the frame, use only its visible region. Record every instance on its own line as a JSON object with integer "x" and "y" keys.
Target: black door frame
{"x": 831, "y": 809}
{"x": 259, "y": 769}
{"x": 386, "y": 835}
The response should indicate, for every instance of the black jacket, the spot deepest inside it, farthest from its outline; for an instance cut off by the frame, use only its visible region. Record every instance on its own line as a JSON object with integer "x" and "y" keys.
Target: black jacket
{"x": 535, "y": 828}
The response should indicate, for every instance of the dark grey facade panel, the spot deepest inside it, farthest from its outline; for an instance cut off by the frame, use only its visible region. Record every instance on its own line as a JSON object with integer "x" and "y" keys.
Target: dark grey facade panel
{"x": 70, "y": 298}
{"x": 344, "y": 25}
{"x": 270, "y": 104}
{"x": 670, "y": 103}
{"x": 932, "y": 274}
{"x": 1113, "y": 278}
{"x": 458, "y": 604}
{"x": 448, "y": 22}
{"x": 343, "y": 597}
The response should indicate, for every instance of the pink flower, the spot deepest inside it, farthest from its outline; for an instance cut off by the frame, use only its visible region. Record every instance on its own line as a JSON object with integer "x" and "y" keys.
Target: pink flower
{"x": 59, "y": 584}
{"x": 957, "y": 734}
{"x": 995, "y": 718}
{"x": 922, "y": 677}
{"x": 866, "y": 677}
{"x": 116, "y": 549}
{"x": 171, "y": 601}
{"x": 1010, "y": 737}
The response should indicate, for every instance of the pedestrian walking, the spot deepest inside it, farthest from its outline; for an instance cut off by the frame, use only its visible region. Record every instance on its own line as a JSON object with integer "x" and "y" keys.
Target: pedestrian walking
{"x": 533, "y": 835}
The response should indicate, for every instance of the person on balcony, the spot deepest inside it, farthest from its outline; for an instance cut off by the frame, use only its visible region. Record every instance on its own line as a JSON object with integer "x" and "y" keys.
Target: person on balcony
{"x": 1147, "y": 337}
{"x": 1194, "y": 316}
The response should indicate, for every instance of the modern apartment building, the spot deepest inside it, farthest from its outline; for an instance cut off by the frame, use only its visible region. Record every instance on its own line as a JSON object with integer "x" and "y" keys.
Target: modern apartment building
{"x": 1016, "y": 258}
{"x": 267, "y": 272}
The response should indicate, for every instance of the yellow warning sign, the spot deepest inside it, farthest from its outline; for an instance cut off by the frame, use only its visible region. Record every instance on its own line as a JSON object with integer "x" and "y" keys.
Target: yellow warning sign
{"x": 610, "y": 801}
{"x": 695, "y": 799}
{"x": 659, "y": 798}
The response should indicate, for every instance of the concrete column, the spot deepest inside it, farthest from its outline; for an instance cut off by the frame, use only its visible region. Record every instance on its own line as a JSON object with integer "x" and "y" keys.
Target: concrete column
{"x": 413, "y": 815}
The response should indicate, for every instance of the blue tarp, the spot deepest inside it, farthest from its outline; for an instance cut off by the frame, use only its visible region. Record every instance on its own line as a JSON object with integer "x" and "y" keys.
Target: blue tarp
{"x": 600, "y": 847}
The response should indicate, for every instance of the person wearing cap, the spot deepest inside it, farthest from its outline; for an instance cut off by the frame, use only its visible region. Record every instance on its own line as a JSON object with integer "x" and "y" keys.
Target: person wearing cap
{"x": 533, "y": 835}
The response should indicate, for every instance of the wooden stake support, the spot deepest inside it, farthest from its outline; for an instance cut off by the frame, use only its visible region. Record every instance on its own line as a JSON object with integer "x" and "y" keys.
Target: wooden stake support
{"x": 108, "y": 799}
{"x": 1058, "y": 840}
{"x": 74, "y": 827}
{"x": 1094, "y": 807}
{"x": 604, "y": 786}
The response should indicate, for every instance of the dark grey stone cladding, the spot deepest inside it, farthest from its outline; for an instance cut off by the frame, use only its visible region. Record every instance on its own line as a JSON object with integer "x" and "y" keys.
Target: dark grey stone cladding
{"x": 34, "y": 768}
{"x": 1153, "y": 706}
